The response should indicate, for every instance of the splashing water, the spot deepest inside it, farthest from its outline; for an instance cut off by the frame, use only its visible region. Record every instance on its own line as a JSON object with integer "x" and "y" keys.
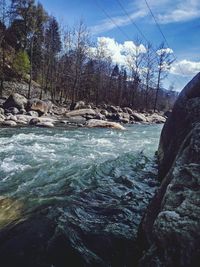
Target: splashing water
{"x": 99, "y": 180}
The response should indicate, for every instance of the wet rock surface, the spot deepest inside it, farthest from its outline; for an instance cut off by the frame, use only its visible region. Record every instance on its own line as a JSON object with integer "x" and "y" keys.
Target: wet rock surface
{"x": 169, "y": 233}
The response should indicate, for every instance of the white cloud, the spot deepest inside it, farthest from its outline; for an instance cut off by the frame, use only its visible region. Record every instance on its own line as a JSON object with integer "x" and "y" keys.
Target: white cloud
{"x": 183, "y": 11}
{"x": 113, "y": 22}
{"x": 166, "y": 11}
{"x": 186, "y": 67}
{"x": 164, "y": 50}
{"x": 120, "y": 53}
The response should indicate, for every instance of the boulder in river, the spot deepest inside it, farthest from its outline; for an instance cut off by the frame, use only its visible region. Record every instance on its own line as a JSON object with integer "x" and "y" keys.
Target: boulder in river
{"x": 2, "y": 111}
{"x": 104, "y": 124}
{"x": 170, "y": 233}
{"x": 12, "y": 110}
{"x": 15, "y": 100}
{"x": 45, "y": 124}
{"x": 34, "y": 121}
{"x": 156, "y": 118}
{"x": 33, "y": 113}
{"x": 76, "y": 120}
{"x": 78, "y": 105}
{"x": 81, "y": 112}
{"x": 42, "y": 107}
{"x": 9, "y": 123}
{"x": 128, "y": 110}
{"x": 138, "y": 117}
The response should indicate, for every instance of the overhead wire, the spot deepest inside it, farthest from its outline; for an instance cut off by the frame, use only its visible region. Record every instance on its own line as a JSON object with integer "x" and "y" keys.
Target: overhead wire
{"x": 163, "y": 35}
{"x": 142, "y": 34}
{"x": 131, "y": 20}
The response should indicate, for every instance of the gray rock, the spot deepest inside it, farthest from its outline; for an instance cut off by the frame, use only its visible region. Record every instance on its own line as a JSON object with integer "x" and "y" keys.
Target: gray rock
{"x": 78, "y": 105}
{"x": 81, "y": 112}
{"x": 100, "y": 116}
{"x": 77, "y": 120}
{"x": 104, "y": 112}
{"x": 22, "y": 111}
{"x": 12, "y": 110}
{"x": 170, "y": 227}
{"x": 33, "y": 113}
{"x": 184, "y": 114}
{"x": 114, "y": 109}
{"x": 45, "y": 124}
{"x": 138, "y": 117}
{"x": 2, "y": 117}
{"x": 23, "y": 117}
{"x": 128, "y": 110}
{"x": 2, "y": 111}
{"x": 15, "y": 100}
{"x": 104, "y": 124}
{"x": 9, "y": 123}
{"x": 21, "y": 122}
{"x": 34, "y": 121}
{"x": 155, "y": 118}
{"x": 12, "y": 118}
{"x": 42, "y": 107}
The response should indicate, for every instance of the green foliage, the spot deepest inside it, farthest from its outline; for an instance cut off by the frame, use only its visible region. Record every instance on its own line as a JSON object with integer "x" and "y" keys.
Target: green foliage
{"x": 21, "y": 63}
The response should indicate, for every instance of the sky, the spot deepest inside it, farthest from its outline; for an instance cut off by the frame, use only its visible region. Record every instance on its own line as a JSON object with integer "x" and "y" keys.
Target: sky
{"x": 114, "y": 22}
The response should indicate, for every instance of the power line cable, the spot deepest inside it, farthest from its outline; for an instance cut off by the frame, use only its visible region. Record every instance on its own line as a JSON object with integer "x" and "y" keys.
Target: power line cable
{"x": 140, "y": 31}
{"x": 132, "y": 21}
{"x": 112, "y": 20}
{"x": 160, "y": 30}
{"x": 119, "y": 28}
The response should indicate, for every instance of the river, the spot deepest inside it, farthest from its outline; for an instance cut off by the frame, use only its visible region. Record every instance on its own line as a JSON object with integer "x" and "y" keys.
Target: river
{"x": 97, "y": 181}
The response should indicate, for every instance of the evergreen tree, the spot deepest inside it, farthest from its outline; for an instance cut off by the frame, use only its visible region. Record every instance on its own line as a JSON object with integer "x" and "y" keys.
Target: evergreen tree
{"x": 21, "y": 64}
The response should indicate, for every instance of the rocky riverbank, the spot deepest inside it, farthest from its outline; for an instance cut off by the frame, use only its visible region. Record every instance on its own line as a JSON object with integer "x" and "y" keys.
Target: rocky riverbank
{"x": 169, "y": 234}
{"x": 16, "y": 110}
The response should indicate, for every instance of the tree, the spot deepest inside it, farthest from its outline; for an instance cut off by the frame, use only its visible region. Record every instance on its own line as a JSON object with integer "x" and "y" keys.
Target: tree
{"x": 149, "y": 74}
{"x": 52, "y": 48}
{"x": 21, "y": 63}
{"x": 164, "y": 62}
{"x": 80, "y": 49}
{"x": 135, "y": 61}
{"x": 36, "y": 40}
{"x": 24, "y": 12}
{"x": 2, "y": 43}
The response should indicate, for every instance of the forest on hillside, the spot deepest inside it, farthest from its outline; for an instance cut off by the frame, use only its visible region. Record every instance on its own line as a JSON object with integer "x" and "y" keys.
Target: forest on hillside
{"x": 65, "y": 62}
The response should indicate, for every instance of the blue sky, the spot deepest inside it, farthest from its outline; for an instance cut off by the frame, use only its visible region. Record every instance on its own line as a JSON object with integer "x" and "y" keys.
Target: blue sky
{"x": 179, "y": 21}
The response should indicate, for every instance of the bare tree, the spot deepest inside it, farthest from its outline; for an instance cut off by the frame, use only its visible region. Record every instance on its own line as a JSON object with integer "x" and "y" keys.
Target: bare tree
{"x": 164, "y": 62}
{"x": 149, "y": 74}
{"x": 2, "y": 44}
{"x": 135, "y": 61}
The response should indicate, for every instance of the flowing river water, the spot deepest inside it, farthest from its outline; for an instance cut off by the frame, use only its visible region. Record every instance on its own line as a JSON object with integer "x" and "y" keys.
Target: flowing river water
{"x": 93, "y": 183}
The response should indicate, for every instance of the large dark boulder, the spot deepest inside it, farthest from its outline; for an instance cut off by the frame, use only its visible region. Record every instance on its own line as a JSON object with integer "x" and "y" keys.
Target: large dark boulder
{"x": 36, "y": 242}
{"x": 170, "y": 231}
{"x": 15, "y": 101}
{"x": 185, "y": 113}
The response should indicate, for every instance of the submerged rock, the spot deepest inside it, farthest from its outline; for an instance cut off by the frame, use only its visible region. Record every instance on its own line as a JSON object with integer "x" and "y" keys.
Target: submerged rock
{"x": 104, "y": 124}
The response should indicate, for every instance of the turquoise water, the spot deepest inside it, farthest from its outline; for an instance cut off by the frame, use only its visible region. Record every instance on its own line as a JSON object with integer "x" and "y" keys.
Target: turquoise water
{"x": 40, "y": 161}
{"x": 94, "y": 180}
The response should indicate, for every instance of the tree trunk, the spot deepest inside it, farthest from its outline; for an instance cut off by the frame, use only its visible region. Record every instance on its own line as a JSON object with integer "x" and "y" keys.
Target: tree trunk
{"x": 31, "y": 70}
{"x": 157, "y": 91}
